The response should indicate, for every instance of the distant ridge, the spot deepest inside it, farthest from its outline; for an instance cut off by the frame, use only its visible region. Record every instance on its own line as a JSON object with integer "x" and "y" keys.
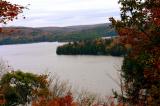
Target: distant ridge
{"x": 14, "y": 35}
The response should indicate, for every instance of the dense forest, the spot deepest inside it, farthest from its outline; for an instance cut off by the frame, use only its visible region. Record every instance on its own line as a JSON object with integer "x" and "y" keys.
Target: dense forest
{"x": 92, "y": 47}
{"x": 16, "y": 35}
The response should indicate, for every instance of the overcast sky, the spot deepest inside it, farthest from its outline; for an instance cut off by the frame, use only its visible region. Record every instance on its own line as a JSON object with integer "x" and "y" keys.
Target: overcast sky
{"x": 43, "y": 13}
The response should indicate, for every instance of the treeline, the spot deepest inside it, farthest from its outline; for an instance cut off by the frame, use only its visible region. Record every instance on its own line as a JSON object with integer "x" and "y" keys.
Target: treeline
{"x": 19, "y": 35}
{"x": 92, "y": 47}
{"x": 23, "y": 40}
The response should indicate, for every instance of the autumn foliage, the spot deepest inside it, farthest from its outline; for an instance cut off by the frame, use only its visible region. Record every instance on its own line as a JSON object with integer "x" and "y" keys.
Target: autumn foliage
{"x": 17, "y": 87}
{"x": 9, "y": 11}
{"x": 60, "y": 101}
{"x": 139, "y": 31}
{"x": 139, "y": 28}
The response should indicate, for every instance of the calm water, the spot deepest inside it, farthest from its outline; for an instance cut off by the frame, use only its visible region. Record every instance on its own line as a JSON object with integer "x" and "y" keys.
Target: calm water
{"x": 91, "y": 73}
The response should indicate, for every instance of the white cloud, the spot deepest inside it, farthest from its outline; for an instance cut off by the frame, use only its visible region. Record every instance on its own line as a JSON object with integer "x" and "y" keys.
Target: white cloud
{"x": 66, "y": 12}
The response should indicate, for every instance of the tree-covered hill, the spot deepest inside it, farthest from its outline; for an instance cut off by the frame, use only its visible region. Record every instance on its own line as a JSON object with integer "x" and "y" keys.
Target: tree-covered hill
{"x": 14, "y": 35}
{"x": 92, "y": 47}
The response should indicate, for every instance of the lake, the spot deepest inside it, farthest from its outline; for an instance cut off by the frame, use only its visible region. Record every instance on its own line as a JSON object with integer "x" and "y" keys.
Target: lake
{"x": 92, "y": 73}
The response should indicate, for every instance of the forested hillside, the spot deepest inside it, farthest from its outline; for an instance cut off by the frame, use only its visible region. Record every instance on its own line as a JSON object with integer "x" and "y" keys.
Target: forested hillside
{"x": 14, "y": 35}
